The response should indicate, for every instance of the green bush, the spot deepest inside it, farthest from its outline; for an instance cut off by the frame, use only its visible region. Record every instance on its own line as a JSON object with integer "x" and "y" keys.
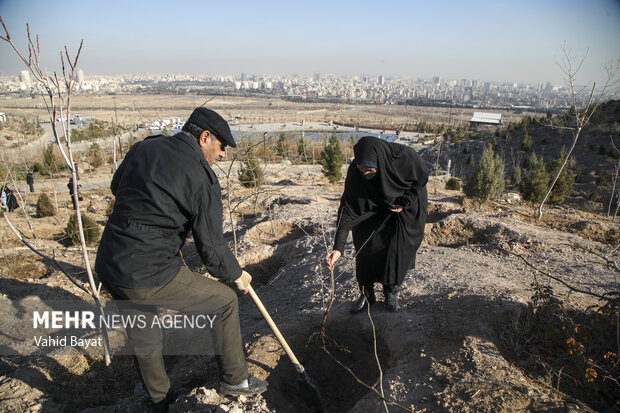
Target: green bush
{"x": 453, "y": 184}
{"x": 515, "y": 177}
{"x": 96, "y": 155}
{"x": 486, "y": 178}
{"x": 565, "y": 181}
{"x": 96, "y": 129}
{"x": 332, "y": 159}
{"x": 45, "y": 207}
{"x": 282, "y": 146}
{"x": 302, "y": 150}
{"x": 38, "y": 167}
{"x": 49, "y": 160}
{"x": 91, "y": 231}
{"x": 250, "y": 173}
{"x": 601, "y": 179}
{"x": 535, "y": 179}
{"x": 526, "y": 143}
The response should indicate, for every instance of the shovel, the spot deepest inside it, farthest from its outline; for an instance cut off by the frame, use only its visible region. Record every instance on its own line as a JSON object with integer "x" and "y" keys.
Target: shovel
{"x": 309, "y": 390}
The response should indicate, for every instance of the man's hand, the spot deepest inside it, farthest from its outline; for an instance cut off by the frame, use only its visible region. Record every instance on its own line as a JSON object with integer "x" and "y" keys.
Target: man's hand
{"x": 243, "y": 282}
{"x": 396, "y": 208}
{"x": 331, "y": 258}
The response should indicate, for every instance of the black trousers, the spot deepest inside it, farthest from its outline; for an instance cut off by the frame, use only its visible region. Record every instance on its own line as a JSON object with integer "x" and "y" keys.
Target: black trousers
{"x": 191, "y": 293}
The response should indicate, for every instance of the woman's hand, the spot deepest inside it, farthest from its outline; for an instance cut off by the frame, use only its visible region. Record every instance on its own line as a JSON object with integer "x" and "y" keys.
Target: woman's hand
{"x": 331, "y": 259}
{"x": 396, "y": 208}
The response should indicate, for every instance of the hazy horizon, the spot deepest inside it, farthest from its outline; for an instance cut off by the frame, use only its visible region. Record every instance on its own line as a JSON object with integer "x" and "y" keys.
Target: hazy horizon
{"x": 498, "y": 41}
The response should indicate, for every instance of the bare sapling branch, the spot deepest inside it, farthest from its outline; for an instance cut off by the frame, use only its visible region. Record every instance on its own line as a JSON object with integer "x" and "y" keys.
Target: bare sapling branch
{"x": 548, "y": 275}
{"x": 374, "y": 343}
{"x": 21, "y": 199}
{"x": 51, "y": 86}
{"x": 614, "y": 183}
{"x": 37, "y": 251}
{"x": 581, "y": 116}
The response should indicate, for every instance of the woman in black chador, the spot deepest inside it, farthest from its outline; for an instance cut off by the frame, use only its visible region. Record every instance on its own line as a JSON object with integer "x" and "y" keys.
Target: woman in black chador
{"x": 384, "y": 204}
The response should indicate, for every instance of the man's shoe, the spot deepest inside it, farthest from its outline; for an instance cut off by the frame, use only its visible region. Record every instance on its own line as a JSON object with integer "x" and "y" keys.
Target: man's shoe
{"x": 361, "y": 303}
{"x": 391, "y": 302}
{"x": 252, "y": 385}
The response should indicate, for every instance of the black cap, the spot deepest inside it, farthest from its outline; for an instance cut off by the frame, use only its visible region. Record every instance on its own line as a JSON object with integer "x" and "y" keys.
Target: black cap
{"x": 206, "y": 119}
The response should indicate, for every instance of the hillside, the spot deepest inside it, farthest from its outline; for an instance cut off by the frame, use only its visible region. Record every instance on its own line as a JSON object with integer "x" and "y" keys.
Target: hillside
{"x": 594, "y": 159}
{"x": 464, "y": 341}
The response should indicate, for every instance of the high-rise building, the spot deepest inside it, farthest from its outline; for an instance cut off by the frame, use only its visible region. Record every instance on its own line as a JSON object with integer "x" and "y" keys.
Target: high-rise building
{"x": 381, "y": 79}
{"x": 80, "y": 76}
{"x": 24, "y": 77}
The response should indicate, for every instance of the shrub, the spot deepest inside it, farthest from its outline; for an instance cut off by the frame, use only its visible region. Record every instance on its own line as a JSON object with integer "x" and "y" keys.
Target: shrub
{"x": 453, "y": 184}
{"x": 91, "y": 231}
{"x": 302, "y": 150}
{"x": 49, "y": 159}
{"x": 332, "y": 159}
{"x": 534, "y": 181}
{"x": 515, "y": 177}
{"x": 526, "y": 142}
{"x": 110, "y": 208}
{"x": 45, "y": 207}
{"x": 486, "y": 178}
{"x": 601, "y": 179}
{"x": 38, "y": 167}
{"x": 593, "y": 196}
{"x": 282, "y": 146}
{"x": 95, "y": 155}
{"x": 250, "y": 173}
{"x": 565, "y": 181}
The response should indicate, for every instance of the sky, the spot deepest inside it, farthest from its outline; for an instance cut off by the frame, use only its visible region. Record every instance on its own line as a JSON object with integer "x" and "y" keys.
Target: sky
{"x": 509, "y": 40}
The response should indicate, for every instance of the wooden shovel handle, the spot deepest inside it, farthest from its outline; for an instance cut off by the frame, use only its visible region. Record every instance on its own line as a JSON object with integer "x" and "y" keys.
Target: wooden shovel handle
{"x": 273, "y": 326}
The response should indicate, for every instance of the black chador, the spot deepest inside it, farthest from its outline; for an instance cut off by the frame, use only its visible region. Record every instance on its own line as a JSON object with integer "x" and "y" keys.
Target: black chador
{"x": 385, "y": 241}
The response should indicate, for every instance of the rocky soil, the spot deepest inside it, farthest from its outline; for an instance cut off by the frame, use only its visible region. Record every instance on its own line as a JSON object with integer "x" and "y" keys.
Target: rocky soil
{"x": 452, "y": 347}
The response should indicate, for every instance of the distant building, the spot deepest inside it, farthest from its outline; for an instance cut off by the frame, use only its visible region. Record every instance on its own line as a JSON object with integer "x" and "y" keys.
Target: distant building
{"x": 80, "y": 76}
{"x": 163, "y": 123}
{"x": 2, "y": 117}
{"x": 24, "y": 77}
{"x": 484, "y": 120}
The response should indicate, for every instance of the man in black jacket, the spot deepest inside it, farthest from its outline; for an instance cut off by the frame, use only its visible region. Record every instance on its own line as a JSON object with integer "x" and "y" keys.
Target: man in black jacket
{"x": 164, "y": 189}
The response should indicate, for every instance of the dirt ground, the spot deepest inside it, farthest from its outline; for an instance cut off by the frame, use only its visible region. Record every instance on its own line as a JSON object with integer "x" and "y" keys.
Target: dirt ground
{"x": 448, "y": 349}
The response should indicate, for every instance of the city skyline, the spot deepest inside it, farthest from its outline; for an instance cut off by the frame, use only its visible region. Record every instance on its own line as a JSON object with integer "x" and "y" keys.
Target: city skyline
{"x": 495, "y": 41}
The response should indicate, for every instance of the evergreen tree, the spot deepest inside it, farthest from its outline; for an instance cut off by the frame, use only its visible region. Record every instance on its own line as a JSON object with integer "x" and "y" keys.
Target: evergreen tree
{"x": 282, "y": 145}
{"x": 565, "y": 181}
{"x": 526, "y": 142}
{"x": 535, "y": 179}
{"x": 49, "y": 160}
{"x": 45, "y": 208}
{"x": 515, "y": 177}
{"x": 453, "y": 184}
{"x": 486, "y": 178}
{"x": 95, "y": 155}
{"x": 91, "y": 231}
{"x": 332, "y": 159}
{"x": 250, "y": 173}
{"x": 302, "y": 150}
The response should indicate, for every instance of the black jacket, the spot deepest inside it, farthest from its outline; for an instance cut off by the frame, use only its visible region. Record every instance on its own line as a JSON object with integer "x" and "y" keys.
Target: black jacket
{"x": 164, "y": 188}
{"x": 386, "y": 242}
